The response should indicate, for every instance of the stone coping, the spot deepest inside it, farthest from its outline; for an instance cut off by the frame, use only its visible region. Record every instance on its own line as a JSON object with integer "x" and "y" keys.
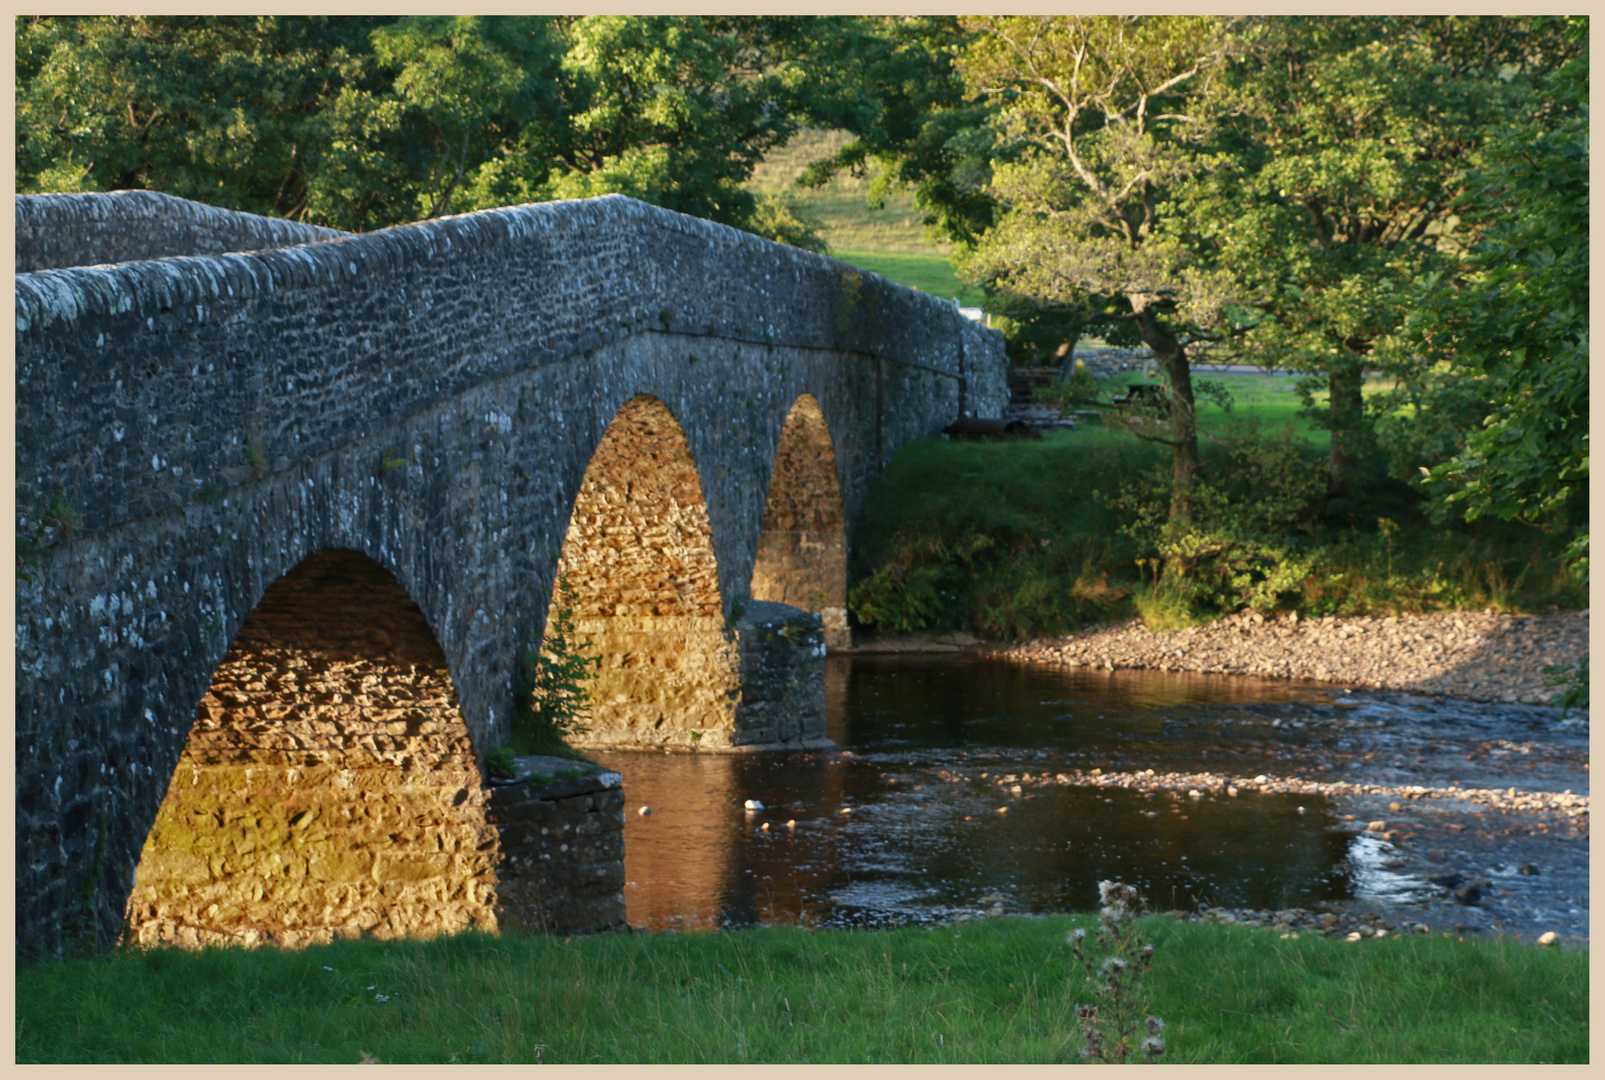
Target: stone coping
{"x": 558, "y": 777}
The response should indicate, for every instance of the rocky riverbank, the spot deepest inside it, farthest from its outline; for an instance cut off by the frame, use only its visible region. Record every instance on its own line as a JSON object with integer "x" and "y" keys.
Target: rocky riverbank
{"x": 1475, "y": 656}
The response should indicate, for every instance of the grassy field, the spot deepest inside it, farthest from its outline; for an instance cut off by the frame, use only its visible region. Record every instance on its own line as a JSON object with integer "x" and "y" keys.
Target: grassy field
{"x": 998, "y": 991}
{"x": 888, "y": 240}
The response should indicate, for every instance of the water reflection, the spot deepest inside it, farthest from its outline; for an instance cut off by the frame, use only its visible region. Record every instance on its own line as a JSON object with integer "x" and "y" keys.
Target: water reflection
{"x": 907, "y": 823}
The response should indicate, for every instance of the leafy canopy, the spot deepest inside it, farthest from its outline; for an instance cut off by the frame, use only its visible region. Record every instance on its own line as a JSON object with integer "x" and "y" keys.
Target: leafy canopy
{"x": 362, "y": 122}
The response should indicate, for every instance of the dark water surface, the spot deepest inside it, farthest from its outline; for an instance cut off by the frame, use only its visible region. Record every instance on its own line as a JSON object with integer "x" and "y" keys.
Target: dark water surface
{"x": 926, "y": 741}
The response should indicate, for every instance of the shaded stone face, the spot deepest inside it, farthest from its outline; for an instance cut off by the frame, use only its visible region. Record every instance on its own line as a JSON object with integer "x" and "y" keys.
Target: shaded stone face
{"x": 328, "y": 785}
{"x": 802, "y": 550}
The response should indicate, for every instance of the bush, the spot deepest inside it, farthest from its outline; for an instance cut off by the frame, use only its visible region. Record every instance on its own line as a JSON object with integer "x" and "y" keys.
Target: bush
{"x": 1240, "y": 545}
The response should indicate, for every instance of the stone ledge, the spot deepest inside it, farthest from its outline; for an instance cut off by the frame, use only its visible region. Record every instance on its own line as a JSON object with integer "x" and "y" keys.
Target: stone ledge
{"x": 544, "y": 777}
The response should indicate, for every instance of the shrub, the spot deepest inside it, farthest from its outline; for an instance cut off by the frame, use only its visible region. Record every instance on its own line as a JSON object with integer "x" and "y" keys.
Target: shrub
{"x": 1239, "y": 546}
{"x": 554, "y": 703}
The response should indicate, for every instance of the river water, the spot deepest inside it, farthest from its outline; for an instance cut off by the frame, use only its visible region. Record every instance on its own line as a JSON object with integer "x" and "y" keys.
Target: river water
{"x": 902, "y": 823}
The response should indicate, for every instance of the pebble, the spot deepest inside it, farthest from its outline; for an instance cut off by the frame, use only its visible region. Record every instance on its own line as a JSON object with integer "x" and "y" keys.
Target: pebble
{"x": 1476, "y": 656}
{"x": 1565, "y": 803}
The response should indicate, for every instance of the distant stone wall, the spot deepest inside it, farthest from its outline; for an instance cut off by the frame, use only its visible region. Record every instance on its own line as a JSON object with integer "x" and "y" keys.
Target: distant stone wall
{"x": 100, "y": 228}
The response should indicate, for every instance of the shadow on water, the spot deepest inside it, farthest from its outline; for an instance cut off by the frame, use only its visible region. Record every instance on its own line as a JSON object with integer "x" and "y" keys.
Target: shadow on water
{"x": 906, "y": 825}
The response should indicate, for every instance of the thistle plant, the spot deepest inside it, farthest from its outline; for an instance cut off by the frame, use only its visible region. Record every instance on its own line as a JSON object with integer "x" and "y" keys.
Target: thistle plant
{"x": 1110, "y": 1024}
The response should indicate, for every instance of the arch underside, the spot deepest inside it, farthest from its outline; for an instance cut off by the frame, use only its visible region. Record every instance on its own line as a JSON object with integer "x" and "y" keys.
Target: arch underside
{"x": 802, "y": 550}
{"x": 638, "y": 560}
{"x": 328, "y": 785}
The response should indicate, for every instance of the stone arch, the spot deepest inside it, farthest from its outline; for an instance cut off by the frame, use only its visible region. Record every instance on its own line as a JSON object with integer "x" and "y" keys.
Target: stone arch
{"x": 802, "y": 549}
{"x": 639, "y": 562}
{"x": 328, "y": 785}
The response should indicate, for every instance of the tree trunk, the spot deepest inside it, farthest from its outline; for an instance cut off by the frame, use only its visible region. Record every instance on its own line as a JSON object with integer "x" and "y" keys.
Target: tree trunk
{"x": 1344, "y": 380}
{"x": 1172, "y": 357}
{"x": 1067, "y": 368}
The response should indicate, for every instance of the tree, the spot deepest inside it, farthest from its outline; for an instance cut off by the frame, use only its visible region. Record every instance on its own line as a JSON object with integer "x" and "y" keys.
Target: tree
{"x": 1514, "y": 314}
{"x": 223, "y": 110}
{"x": 1106, "y": 113}
{"x": 367, "y": 122}
{"x": 1342, "y": 143}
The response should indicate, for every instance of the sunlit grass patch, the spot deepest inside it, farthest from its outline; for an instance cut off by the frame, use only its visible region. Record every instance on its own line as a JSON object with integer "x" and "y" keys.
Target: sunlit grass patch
{"x": 994, "y": 991}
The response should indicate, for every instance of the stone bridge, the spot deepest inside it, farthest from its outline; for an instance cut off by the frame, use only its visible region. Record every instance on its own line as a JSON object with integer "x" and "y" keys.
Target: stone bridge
{"x": 290, "y": 508}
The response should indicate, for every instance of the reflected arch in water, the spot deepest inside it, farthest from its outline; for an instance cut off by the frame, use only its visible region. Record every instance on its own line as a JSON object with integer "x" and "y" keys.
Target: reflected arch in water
{"x": 328, "y": 785}
{"x": 639, "y": 562}
{"x": 802, "y": 549}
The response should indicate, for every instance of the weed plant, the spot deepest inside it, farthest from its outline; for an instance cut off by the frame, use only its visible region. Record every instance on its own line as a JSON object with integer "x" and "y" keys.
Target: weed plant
{"x": 988, "y": 991}
{"x": 1110, "y": 1024}
{"x": 554, "y": 701}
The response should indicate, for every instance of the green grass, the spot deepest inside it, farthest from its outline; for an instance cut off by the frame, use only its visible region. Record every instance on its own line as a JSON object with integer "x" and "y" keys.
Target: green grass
{"x": 888, "y": 240}
{"x": 995, "y": 991}
{"x": 927, "y": 273}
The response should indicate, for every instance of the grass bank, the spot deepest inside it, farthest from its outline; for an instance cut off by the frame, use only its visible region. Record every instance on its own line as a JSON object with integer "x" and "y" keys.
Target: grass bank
{"x": 988, "y": 991}
{"x": 886, "y": 239}
{"x": 1016, "y": 539}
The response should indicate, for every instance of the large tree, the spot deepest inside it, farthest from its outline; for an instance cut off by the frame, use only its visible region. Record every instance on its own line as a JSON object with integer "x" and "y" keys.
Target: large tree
{"x": 1342, "y": 143}
{"x": 364, "y": 122}
{"x": 1104, "y": 115}
{"x": 1513, "y": 315}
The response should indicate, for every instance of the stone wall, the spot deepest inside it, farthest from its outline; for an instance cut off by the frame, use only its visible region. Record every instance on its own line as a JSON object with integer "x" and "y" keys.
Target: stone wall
{"x": 802, "y": 551}
{"x": 99, "y": 228}
{"x": 781, "y": 678}
{"x": 560, "y": 827}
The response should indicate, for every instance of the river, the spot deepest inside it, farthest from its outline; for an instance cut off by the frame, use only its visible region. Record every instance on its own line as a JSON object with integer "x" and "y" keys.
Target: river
{"x": 942, "y": 800}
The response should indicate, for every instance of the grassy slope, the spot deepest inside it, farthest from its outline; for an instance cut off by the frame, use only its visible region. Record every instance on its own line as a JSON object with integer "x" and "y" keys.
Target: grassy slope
{"x": 888, "y": 240}
{"x": 992, "y": 991}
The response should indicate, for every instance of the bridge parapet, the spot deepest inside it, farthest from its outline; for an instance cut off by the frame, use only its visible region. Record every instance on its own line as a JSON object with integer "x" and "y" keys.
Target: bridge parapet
{"x": 99, "y": 228}
{"x": 402, "y": 319}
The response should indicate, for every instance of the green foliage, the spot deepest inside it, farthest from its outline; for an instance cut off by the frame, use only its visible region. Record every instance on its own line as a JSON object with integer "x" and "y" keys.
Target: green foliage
{"x": 784, "y": 220}
{"x": 363, "y": 122}
{"x": 1003, "y": 539}
{"x": 1573, "y": 679}
{"x": 1336, "y": 156}
{"x": 982, "y": 992}
{"x": 1514, "y": 317}
{"x": 553, "y": 700}
{"x": 499, "y": 763}
{"x": 1239, "y": 546}
{"x": 1103, "y": 113}
{"x": 1007, "y": 539}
